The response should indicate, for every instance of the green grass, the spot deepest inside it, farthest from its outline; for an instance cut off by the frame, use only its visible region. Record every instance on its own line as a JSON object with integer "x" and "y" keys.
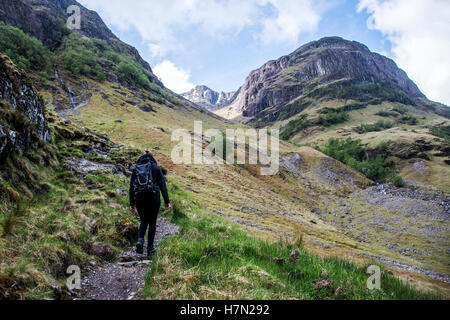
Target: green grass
{"x": 211, "y": 258}
{"x": 50, "y": 225}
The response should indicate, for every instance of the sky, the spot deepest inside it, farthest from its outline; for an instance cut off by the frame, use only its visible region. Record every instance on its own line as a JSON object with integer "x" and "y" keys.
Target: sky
{"x": 217, "y": 43}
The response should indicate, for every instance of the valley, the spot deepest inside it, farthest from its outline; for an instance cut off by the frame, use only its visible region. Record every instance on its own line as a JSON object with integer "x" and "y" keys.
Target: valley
{"x": 71, "y": 164}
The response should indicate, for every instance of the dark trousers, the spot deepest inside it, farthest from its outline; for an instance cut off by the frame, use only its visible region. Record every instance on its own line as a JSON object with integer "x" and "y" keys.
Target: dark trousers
{"x": 147, "y": 206}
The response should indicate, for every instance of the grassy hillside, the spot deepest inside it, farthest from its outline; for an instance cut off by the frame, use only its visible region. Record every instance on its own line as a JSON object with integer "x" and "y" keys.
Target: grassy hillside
{"x": 42, "y": 237}
{"x": 56, "y": 225}
{"x": 269, "y": 207}
{"x": 238, "y": 228}
{"x": 214, "y": 259}
{"x": 410, "y": 133}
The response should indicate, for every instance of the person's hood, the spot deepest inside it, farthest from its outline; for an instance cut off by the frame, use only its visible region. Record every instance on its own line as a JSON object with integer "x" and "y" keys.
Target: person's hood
{"x": 146, "y": 158}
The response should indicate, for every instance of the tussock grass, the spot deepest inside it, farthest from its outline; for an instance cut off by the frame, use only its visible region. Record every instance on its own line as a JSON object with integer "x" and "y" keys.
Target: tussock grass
{"x": 10, "y": 217}
{"x": 41, "y": 238}
{"x": 49, "y": 220}
{"x": 212, "y": 258}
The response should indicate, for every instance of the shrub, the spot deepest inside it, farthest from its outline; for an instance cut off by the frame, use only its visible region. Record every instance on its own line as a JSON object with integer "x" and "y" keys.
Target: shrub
{"x": 81, "y": 56}
{"x": 293, "y": 127}
{"x": 370, "y": 92}
{"x": 290, "y": 110}
{"x": 408, "y": 119}
{"x": 378, "y": 126}
{"x": 384, "y": 113}
{"x": 352, "y": 153}
{"x": 26, "y": 52}
{"x": 397, "y": 181}
{"x": 333, "y": 117}
{"x": 87, "y": 56}
{"x": 401, "y": 110}
{"x": 130, "y": 72}
{"x": 442, "y": 132}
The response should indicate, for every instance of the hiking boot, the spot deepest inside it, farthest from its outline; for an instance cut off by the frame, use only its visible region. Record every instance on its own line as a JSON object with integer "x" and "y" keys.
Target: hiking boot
{"x": 140, "y": 246}
{"x": 151, "y": 251}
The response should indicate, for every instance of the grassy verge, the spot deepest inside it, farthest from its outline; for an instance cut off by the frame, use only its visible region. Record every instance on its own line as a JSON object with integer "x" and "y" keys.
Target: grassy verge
{"x": 50, "y": 217}
{"x": 211, "y": 258}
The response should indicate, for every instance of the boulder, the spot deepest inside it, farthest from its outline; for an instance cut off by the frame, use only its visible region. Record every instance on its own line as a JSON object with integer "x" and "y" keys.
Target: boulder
{"x": 102, "y": 250}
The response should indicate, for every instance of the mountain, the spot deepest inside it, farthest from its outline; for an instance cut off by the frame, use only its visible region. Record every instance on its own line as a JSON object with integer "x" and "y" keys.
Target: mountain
{"x": 208, "y": 98}
{"x": 46, "y": 19}
{"x": 78, "y": 108}
{"x": 69, "y": 60}
{"x": 328, "y": 66}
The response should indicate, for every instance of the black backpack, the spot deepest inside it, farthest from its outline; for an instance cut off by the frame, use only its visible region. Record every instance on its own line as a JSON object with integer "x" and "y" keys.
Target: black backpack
{"x": 144, "y": 180}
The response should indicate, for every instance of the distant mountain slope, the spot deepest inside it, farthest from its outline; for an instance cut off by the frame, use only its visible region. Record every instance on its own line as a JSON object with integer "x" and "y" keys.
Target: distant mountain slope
{"x": 314, "y": 65}
{"x": 208, "y": 98}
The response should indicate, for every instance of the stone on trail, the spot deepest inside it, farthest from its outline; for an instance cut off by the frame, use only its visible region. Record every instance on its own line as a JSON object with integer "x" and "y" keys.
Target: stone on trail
{"x": 102, "y": 250}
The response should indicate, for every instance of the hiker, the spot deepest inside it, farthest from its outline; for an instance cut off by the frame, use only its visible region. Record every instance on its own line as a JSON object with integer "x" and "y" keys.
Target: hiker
{"x": 147, "y": 181}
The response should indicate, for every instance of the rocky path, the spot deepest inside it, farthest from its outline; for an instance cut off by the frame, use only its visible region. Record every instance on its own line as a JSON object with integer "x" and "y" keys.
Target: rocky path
{"x": 122, "y": 279}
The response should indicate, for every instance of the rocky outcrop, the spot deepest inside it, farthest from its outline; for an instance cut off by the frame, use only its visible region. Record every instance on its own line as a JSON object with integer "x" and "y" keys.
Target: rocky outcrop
{"x": 22, "y": 122}
{"x": 102, "y": 250}
{"x": 208, "y": 98}
{"x": 317, "y": 63}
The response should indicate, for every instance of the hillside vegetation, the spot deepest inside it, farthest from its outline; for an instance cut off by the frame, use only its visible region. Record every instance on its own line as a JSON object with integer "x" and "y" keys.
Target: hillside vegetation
{"x": 91, "y": 108}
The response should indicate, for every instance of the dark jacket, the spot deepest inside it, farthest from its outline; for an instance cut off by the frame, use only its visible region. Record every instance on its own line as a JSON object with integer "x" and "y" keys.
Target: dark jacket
{"x": 158, "y": 179}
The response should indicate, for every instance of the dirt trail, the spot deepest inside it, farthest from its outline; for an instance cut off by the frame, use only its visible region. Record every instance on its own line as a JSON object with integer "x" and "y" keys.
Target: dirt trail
{"x": 123, "y": 279}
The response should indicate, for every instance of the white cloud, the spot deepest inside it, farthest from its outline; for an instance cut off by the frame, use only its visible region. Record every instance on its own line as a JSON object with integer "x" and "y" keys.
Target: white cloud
{"x": 293, "y": 17}
{"x": 419, "y": 31}
{"x": 176, "y": 79}
{"x": 158, "y": 21}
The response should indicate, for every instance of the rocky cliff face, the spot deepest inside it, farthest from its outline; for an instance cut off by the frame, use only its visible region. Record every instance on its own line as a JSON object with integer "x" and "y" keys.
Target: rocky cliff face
{"x": 314, "y": 64}
{"x": 208, "y": 98}
{"x": 22, "y": 121}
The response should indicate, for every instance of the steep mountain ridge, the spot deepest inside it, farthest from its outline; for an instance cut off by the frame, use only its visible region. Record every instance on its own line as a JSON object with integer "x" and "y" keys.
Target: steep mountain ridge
{"x": 334, "y": 88}
{"x": 208, "y": 98}
{"x": 315, "y": 64}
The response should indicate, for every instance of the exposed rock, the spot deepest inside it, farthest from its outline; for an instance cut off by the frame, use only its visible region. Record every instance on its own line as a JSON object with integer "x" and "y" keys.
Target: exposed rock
{"x": 292, "y": 162}
{"x": 102, "y": 250}
{"x": 208, "y": 98}
{"x": 294, "y": 256}
{"x": 420, "y": 167}
{"x": 18, "y": 94}
{"x": 320, "y": 62}
{"x": 323, "y": 283}
{"x": 5, "y": 140}
{"x": 83, "y": 166}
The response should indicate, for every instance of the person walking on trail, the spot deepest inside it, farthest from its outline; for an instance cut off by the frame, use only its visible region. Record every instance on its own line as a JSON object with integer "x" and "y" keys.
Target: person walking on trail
{"x": 146, "y": 183}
